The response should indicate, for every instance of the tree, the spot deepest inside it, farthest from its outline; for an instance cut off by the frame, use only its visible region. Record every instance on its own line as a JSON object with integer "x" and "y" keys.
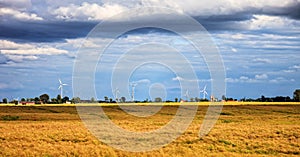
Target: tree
{"x": 158, "y": 99}
{"x": 53, "y": 100}
{"x": 224, "y": 97}
{"x": 192, "y": 99}
{"x": 16, "y": 102}
{"x": 44, "y": 98}
{"x": 297, "y": 95}
{"x": 243, "y": 99}
{"x": 176, "y": 99}
{"x": 75, "y": 100}
{"x": 23, "y": 99}
{"x": 65, "y": 99}
{"x": 4, "y": 100}
{"x": 58, "y": 98}
{"x": 37, "y": 100}
{"x": 263, "y": 98}
{"x": 106, "y": 99}
{"x": 288, "y": 99}
{"x": 146, "y": 100}
{"x": 93, "y": 100}
{"x": 123, "y": 99}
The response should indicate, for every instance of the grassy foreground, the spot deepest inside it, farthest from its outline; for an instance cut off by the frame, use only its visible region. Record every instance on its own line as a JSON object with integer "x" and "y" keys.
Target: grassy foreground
{"x": 242, "y": 130}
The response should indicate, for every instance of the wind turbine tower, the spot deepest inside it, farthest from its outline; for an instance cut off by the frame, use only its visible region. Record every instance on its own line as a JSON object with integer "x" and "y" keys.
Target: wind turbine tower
{"x": 61, "y": 87}
{"x": 116, "y": 94}
{"x": 132, "y": 90}
{"x": 187, "y": 95}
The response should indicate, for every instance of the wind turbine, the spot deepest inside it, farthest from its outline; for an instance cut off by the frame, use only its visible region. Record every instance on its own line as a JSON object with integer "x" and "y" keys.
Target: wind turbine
{"x": 61, "y": 87}
{"x": 187, "y": 95}
{"x": 204, "y": 92}
{"x": 116, "y": 93}
{"x": 132, "y": 90}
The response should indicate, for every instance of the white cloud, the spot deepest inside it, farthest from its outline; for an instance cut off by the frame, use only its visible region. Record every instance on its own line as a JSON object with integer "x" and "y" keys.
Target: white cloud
{"x": 12, "y": 48}
{"x": 225, "y": 7}
{"x": 177, "y": 78}
{"x": 20, "y": 58}
{"x": 289, "y": 71}
{"x": 261, "y": 37}
{"x": 261, "y": 60}
{"x": 270, "y": 22}
{"x": 242, "y": 79}
{"x": 20, "y": 15}
{"x": 19, "y": 52}
{"x": 3, "y": 59}
{"x": 278, "y": 37}
{"x": 88, "y": 11}
{"x": 245, "y": 79}
{"x": 146, "y": 81}
{"x": 292, "y": 69}
{"x": 233, "y": 49}
{"x": 280, "y": 80}
{"x": 296, "y": 67}
{"x": 36, "y": 51}
{"x": 9, "y": 45}
{"x": 261, "y": 76}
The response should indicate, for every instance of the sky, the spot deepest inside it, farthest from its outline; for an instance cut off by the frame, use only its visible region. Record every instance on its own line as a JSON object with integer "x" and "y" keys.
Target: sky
{"x": 258, "y": 41}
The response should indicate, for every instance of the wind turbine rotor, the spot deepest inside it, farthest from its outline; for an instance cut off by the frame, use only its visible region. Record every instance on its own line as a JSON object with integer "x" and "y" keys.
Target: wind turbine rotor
{"x": 61, "y": 84}
{"x": 204, "y": 89}
{"x": 204, "y": 92}
{"x": 187, "y": 95}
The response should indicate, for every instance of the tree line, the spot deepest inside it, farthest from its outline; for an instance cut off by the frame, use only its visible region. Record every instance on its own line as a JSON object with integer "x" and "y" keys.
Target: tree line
{"x": 295, "y": 98}
{"x": 45, "y": 99}
{"x": 42, "y": 99}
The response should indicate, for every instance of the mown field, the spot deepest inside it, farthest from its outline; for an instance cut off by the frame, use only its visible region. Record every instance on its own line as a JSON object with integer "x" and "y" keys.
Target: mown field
{"x": 242, "y": 130}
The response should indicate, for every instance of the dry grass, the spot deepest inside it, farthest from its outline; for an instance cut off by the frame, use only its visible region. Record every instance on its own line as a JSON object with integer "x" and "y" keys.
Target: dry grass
{"x": 242, "y": 130}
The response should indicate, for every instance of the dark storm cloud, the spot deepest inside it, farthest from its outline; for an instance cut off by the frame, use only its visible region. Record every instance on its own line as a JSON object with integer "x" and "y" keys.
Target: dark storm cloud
{"x": 228, "y": 21}
{"x": 44, "y": 31}
{"x": 291, "y": 11}
{"x": 51, "y": 30}
{"x": 14, "y": 4}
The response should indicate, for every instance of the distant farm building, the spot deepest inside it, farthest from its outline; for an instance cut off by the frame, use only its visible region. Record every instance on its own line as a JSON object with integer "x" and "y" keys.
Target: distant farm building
{"x": 27, "y": 103}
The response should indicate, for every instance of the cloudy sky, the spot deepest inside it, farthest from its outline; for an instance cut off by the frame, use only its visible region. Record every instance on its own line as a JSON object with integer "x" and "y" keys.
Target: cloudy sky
{"x": 259, "y": 41}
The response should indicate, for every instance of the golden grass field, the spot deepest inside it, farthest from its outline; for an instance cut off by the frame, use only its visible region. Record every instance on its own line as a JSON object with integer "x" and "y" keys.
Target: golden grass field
{"x": 242, "y": 130}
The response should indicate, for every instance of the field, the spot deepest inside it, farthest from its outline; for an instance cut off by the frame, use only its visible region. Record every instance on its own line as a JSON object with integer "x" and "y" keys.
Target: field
{"x": 242, "y": 130}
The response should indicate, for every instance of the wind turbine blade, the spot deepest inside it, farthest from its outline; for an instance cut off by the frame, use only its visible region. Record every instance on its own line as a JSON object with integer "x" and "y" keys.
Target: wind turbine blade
{"x": 204, "y": 88}
{"x": 205, "y": 93}
{"x": 59, "y": 81}
{"x": 64, "y": 84}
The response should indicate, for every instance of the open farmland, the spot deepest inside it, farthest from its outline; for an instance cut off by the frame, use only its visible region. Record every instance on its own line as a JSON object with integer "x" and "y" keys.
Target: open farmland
{"x": 248, "y": 130}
